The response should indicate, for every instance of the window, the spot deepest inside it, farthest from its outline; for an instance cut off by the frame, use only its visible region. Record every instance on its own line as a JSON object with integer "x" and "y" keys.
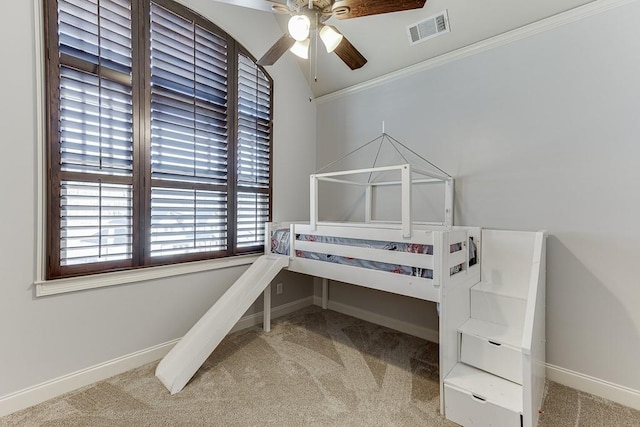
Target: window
{"x": 159, "y": 138}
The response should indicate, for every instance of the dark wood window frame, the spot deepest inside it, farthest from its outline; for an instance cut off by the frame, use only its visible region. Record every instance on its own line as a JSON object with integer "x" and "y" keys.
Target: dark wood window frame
{"x": 139, "y": 179}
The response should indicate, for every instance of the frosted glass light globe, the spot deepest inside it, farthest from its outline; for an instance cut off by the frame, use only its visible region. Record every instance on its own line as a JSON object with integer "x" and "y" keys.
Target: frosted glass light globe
{"x": 299, "y": 27}
{"x": 301, "y": 49}
{"x": 330, "y": 37}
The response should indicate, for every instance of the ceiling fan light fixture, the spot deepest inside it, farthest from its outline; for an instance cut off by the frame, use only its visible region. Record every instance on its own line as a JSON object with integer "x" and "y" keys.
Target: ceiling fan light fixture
{"x": 330, "y": 37}
{"x": 301, "y": 49}
{"x": 299, "y": 27}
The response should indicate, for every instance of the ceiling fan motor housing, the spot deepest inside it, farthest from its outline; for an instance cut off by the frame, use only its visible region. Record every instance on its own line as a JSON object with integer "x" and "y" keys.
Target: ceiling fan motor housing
{"x": 322, "y": 7}
{"x": 341, "y": 10}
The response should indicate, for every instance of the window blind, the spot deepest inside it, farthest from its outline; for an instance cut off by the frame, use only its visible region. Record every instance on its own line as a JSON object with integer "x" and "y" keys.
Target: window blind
{"x": 189, "y": 134}
{"x": 159, "y": 141}
{"x": 253, "y": 153}
{"x": 96, "y": 124}
{"x": 254, "y": 125}
{"x": 187, "y": 221}
{"x": 96, "y": 32}
{"x": 96, "y": 222}
{"x": 252, "y": 212}
{"x": 95, "y": 131}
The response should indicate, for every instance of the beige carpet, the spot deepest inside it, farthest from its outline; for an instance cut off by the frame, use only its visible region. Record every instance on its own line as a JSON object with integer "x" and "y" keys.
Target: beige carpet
{"x": 315, "y": 368}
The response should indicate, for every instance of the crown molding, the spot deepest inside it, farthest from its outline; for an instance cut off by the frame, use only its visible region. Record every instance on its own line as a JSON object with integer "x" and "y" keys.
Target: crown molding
{"x": 547, "y": 24}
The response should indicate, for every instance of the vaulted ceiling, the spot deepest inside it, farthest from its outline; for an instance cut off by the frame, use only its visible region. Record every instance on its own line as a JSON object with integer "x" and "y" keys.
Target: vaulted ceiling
{"x": 383, "y": 39}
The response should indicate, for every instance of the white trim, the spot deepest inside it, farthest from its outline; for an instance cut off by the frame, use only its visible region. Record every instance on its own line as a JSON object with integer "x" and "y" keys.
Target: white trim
{"x": 620, "y": 394}
{"x": 49, "y": 389}
{"x": 40, "y": 138}
{"x": 72, "y": 284}
{"x": 379, "y": 319}
{"x": 529, "y": 30}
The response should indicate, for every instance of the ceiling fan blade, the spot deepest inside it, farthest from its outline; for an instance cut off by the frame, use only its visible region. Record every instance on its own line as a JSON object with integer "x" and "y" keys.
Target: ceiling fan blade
{"x": 349, "y": 54}
{"x": 277, "y": 50}
{"x": 347, "y": 9}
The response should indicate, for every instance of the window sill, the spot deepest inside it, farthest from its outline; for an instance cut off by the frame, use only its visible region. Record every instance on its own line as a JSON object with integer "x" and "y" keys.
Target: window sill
{"x": 73, "y": 284}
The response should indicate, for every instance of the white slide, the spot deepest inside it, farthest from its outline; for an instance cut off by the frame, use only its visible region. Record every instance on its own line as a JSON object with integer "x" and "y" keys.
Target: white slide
{"x": 182, "y": 362}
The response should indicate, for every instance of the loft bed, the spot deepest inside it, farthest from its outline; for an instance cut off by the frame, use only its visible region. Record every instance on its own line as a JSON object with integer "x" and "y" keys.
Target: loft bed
{"x": 429, "y": 260}
{"x": 408, "y": 258}
{"x": 406, "y": 255}
{"x": 491, "y": 323}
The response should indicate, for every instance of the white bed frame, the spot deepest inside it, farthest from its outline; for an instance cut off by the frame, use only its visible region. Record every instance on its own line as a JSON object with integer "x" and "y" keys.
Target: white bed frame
{"x": 441, "y": 262}
{"x": 408, "y": 177}
{"x": 440, "y": 234}
{"x": 442, "y": 288}
{"x": 450, "y": 285}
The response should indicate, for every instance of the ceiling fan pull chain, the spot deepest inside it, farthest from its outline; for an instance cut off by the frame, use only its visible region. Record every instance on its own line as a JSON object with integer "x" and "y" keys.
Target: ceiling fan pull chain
{"x": 315, "y": 53}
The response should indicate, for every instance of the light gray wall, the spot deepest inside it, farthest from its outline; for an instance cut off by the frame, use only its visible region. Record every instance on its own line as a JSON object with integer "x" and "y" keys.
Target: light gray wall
{"x": 45, "y": 338}
{"x": 542, "y": 133}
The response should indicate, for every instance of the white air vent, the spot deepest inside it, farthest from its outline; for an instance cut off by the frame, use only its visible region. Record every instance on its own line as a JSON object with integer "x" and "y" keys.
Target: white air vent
{"x": 431, "y": 27}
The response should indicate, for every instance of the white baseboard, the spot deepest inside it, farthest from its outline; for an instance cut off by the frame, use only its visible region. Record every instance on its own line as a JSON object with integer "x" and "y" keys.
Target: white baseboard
{"x": 49, "y": 389}
{"x": 378, "y": 319}
{"x": 39, "y": 393}
{"x": 623, "y": 395}
{"x": 614, "y": 392}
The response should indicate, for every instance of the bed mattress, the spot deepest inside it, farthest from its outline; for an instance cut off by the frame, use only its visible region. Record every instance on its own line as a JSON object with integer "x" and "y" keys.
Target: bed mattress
{"x": 280, "y": 243}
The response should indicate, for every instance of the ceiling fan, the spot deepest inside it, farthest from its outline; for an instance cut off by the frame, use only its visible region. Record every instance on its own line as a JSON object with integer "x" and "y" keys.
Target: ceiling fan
{"x": 309, "y": 17}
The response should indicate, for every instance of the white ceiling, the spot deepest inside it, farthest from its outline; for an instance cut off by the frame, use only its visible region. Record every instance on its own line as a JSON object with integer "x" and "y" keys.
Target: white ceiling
{"x": 382, "y": 39}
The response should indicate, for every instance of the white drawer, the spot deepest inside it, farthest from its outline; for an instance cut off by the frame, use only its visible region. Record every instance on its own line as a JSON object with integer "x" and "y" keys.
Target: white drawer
{"x": 467, "y": 409}
{"x": 499, "y": 359}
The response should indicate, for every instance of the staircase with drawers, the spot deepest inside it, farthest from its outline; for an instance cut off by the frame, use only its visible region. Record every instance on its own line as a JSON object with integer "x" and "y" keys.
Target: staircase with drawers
{"x": 498, "y": 378}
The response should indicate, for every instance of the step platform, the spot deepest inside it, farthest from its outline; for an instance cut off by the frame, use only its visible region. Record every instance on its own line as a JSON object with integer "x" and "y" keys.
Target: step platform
{"x": 491, "y": 347}
{"x": 473, "y": 397}
{"x": 496, "y": 303}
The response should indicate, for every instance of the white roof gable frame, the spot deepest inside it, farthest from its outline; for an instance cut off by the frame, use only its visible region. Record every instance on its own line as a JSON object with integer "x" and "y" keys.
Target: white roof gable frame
{"x": 412, "y": 169}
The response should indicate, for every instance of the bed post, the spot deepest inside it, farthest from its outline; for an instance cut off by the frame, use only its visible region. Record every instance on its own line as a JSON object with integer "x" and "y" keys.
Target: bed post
{"x": 267, "y": 238}
{"x": 368, "y": 201}
{"x": 406, "y": 200}
{"x": 325, "y": 293}
{"x": 266, "y": 313}
{"x": 448, "y": 203}
{"x": 313, "y": 200}
{"x": 266, "y": 295}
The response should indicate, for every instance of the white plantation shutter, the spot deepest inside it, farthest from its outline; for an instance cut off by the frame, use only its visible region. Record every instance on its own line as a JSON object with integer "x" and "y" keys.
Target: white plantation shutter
{"x": 96, "y": 222}
{"x": 253, "y": 212}
{"x": 96, "y": 124}
{"x": 187, "y": 221}
{"x": 253, "y": 153}
{"x": 97, "y": 32}
{"x": 95, "y": 131}
{"x": 159, "y": 141}
{"x": 189, "y": 134}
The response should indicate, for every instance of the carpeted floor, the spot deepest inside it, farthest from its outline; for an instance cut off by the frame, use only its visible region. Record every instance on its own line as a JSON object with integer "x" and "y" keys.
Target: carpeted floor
{"x": 315, "y": 368}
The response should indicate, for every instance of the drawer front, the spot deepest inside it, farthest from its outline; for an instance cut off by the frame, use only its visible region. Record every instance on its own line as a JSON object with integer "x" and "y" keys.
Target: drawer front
{"x": 501, "y": 360}
{"x": 467, "y": 410}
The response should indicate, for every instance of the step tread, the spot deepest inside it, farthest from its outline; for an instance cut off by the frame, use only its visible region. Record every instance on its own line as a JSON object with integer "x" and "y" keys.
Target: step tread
{"x": 502, "y": 334}
{"x": 496, "y": 390}
{"x": 516, "y": 292}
